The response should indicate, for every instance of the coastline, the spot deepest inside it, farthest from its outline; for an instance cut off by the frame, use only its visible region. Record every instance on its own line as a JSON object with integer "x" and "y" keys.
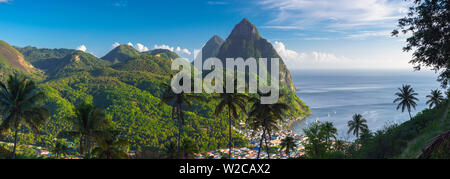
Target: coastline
{"x": 291, "y": 122}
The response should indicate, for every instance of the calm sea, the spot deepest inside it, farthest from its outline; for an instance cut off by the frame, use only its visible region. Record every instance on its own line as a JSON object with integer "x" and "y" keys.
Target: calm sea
{"x": 337, "y": 95}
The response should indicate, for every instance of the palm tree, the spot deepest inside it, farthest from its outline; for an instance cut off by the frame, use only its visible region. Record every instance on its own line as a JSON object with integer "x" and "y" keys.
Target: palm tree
{"x": 267, "y": 123}
{"x": 330, "y": 130}
{"x": 60, "y": 148}
{"x": 406, "y": 99}
{"x": 265, "y": 117}
{"x": 357, "y": 125}
{"x": 109, "y": 147}
{"x": 435, "y": 98}
{"x": 288, "y": 144}
{"x": 178, "y": 101}
{"x": 21, "y": 104}
{"x": 89, "y": 122}
{"x": 234, "y": 102}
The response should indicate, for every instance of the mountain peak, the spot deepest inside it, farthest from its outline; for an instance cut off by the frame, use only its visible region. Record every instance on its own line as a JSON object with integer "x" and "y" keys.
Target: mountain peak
{"x": 245, "y": 29}
{"x": 121, "y": 53}
{"x": 215, "y": 40}
{"x": 212, "y": 47}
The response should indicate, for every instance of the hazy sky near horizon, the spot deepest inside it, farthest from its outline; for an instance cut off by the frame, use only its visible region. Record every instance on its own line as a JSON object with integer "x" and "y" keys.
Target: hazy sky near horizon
{"x": 308, "y": 34}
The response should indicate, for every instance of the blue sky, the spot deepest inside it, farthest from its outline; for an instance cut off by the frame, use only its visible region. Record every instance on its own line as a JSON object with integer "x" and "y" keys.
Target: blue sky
{"x": 323, "y": 34}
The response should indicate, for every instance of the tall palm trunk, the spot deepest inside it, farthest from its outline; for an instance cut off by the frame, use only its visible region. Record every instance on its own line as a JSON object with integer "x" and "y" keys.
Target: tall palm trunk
{"x": 229, "y": 143}
{"x": 261, "y": 142}
{"x": 82, "y": 145}
{"x": 267, "y": 147}
{"x": 15, "y": 144}
{"x": 88, "y": 147}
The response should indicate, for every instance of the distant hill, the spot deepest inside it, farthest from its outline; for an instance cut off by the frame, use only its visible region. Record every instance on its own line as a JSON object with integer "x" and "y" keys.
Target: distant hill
{"x": 212, "y": 47}
{"x": 124, "y": 53}
{"x": 158, "y": 64}
{"x": 13, "y": 57}
{"x": 158, "y": 52}
{"x": 76, "y": 62}
{"x": 12, "y": 61}
{"x": 128, "y": 86}
{"x": 44, "y": 58}
{"x": 129, "y": 91}
{"x": 121, "y": 53}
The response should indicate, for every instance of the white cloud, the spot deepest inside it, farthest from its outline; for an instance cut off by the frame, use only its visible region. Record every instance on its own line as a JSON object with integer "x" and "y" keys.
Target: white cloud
{"x": 138, "y": 46}
{"x": 4, "y": 1}
{"x": 322, "y": 60}
{"x": 366, "y": 34}
{"x": 286, "y": 54}
{"x": 163, "y": 47}
{"x": 115, "y": 44}
{"x": 342, "y": 14}
{"x": 185, "y": 51}
{"x": 179, "y": 50}
{"x": 82, "y": 48}
{"x": 141, "y": 47}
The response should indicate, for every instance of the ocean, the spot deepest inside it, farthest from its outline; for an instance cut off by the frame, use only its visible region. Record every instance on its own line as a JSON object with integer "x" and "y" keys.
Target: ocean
{"x": 336, "y": 96}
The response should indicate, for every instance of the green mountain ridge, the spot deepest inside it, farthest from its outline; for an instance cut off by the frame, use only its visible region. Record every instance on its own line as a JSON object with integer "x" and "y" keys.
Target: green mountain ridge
{"x": 76, "y": 62}
{"x": 12, "y": 61}
{"x": 121, "y": 53}
{"x": 162, "y": 52}
{"x": 44, "y": 58}
{"x": 147, "y": 63}
{"x": 128, "y": 86}
{"x": 129, "y": 92}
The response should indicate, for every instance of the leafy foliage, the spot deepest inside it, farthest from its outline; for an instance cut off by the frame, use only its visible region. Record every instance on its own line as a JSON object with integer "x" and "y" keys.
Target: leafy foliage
{"x": 20, "y": 102}
{"x": 435, "y": 98}
{"x": 406, "y": 99}
{"x": 358, "y": 125}
{"x": 428, "y": 22}
{"x": 396, "y": 140}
